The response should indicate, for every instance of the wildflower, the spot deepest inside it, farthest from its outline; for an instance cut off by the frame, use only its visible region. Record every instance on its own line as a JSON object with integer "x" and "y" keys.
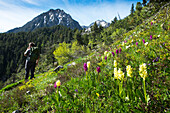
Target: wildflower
{"x": 115, "y": 63}
{"x": 123, "y": 43}
{"x": 105, "y": 53}
{"x": 105, "y": 57}
{"x": 136, "y": 43}
{"x": 120, "y": 50}
{"x": 143, "y": 41}
{"x": 115, "y": 73}
{"x": 102, "y": 57}
{"x": 157, "y": 59}
{"x": 142, "y": 70}
{"x": 146, "y": 43}
{"x": 88, "y": 64}
{"x": 116, "y": 51}
{"x": 164, "y": 43}
{"x": 127, "y": 46}
{"x": 159, "y": 35}
{"x": 85, "y": 66}
{"x": 76, "y": 90}
{"x": 129, "y": 71}
{"x": 113, "y": 53}
{"x": 109, "y": 54}
{"x": 98, "y": 69}
{"x": 97, "y": 94}
{"x": 73, "y": 63}
{"x": 151, "y": 37}
{"x": 120, "y": 74}
{"x": 143, "y": 74}
{"x": 151, "y": 23}
{"x": 57, "y": 84}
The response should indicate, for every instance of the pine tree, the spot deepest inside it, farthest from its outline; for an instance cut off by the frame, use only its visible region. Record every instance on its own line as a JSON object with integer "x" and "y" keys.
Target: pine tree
{"x": 138, "y": 6}
{"x": 132, "y": 10}
{"x": 144, "y": 2}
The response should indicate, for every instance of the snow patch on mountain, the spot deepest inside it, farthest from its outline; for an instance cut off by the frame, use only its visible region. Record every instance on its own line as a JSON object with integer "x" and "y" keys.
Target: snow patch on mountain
{"x": 102, "y": 23}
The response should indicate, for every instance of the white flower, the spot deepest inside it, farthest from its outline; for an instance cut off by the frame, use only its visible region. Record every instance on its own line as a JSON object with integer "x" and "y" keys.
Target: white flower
{"x": 88, "y": 64}
{"x": 115, "y": 63}
{"x": 146, "y": 43}
{"x": 105, "y": 53}
{"x": 127, "y": 46}
{"x": 158, "y": 35}
{"x": 73, "y": 63}
{"x": 120, "y": 74}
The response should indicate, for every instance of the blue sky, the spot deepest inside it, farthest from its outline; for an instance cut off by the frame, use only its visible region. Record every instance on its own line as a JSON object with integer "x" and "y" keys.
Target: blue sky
{"x": 16, "y": 13}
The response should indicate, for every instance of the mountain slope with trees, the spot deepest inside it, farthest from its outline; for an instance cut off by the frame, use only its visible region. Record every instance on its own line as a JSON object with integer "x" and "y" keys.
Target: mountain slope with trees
{"x": 126, "y": 71}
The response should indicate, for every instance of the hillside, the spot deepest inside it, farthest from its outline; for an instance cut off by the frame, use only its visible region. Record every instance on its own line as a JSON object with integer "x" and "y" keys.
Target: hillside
{"x": 129, "y": 75}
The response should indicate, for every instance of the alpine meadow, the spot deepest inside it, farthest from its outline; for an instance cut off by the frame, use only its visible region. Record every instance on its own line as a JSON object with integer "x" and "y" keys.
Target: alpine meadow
{"x": 117, "y": 67}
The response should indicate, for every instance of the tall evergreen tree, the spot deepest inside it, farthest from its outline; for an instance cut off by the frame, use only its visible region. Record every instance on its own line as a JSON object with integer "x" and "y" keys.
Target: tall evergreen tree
{"x": 132, "y": 10}
{"x": 138, "y": 6}
{"x": 144, "y": 2}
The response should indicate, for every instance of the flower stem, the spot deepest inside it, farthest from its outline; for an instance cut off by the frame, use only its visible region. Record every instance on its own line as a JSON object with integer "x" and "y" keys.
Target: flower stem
{"x": 144, "y": 89}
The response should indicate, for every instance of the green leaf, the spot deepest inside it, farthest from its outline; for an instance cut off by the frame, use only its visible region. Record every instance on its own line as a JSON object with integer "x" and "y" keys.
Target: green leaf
{"x": 87, "y": 110}
{"x": 148, "y": 98}
{"x": 140, "y": 95}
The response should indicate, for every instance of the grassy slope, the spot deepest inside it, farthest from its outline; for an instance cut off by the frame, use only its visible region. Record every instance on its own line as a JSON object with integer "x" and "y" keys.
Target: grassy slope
{"x": 101, "y": 92}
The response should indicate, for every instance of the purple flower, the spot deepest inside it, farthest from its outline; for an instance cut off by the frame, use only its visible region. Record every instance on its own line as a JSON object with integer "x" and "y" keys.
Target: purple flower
{"x": 125, "y": 41}
{"x": 153, "y": 60}
{"x": 143, "y": 41}
{"x": 157, "y": 59}
{"x": 120, "y": 50}
{"x": 151, "y": 23}
{"x": 76, "y": 90}
{"x": 151, "y": 37}
{"x": 136, "y": 43}
{"x": 164, "y": 43}
{"x": 85, "y": 66}
{"x": 160, "y": 46}
{"x": 149, "y": 64}
{"x": 55, "y": 85}
{"x": 105, "y": 57}
{"x": 113, "y": 53}
{"x": 116, "y": 51}
{"x": 98, "y": 69}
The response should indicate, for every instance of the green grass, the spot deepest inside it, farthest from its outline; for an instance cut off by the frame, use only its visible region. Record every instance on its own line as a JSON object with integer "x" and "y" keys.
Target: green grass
{"x": 91, "y": 91}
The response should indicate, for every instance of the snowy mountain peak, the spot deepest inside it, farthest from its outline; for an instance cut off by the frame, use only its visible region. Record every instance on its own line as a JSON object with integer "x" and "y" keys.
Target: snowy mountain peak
{"x": 103, "y": 23}
{"x": 48, "y": 19}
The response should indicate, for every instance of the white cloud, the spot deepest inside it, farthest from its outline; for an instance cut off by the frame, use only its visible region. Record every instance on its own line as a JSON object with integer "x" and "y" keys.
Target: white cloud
{"x": 15, "y": 16}
{"x": 33, "y": 2}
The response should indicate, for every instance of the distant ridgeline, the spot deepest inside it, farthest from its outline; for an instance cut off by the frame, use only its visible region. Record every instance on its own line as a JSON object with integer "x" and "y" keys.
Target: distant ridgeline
{"x": 49, "y": 19}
